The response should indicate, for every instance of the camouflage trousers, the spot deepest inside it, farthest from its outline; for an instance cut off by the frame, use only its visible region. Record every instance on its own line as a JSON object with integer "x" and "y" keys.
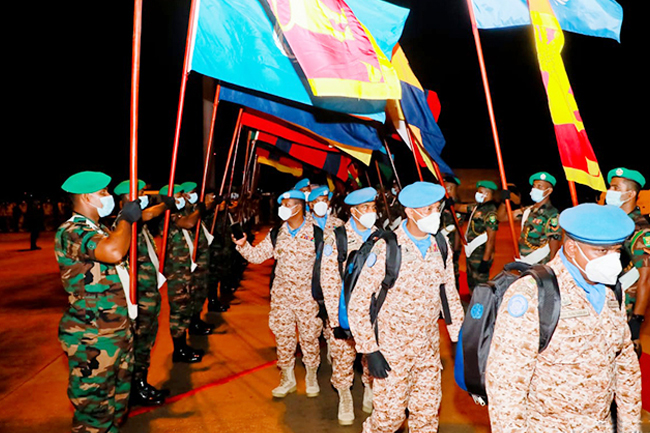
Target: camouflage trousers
{"x": 344, "y": 354}
{"x": 474, "y": 277}
{"x": 291, "y": 322}
{"x": 146, "y": 325}
{"x": 179, "y": 292}
{"x": 413, "y": 384}
{"x": 200, "y": 281}
{"x": 99, "y": 380}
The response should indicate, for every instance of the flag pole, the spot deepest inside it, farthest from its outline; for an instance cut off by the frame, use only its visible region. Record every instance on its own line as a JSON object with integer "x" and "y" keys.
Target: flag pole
{"x": 206, "y": 166}
{"x": 415, "y": 158}
{"x": 383, "y": 191}
{"x": 225, "y": 170}
{"x": 574, "y": 193}
{"x": 133, "y": 169}
{"x": 177, "y": 132}
{"x": 392, "y": 164}
{"x": 436, "y": 168}
{"x": 495, "y": 134}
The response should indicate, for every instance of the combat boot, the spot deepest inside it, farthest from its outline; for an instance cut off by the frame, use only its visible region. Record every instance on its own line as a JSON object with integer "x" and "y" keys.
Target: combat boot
{"x": 199, "y": 327}
{"x": 140, "y": 394}
{"x": 152, "y": 390}
{"x": 311, "y": 381}
{"x": 214, "y": 304}
{"x": 287, "y": 383}
{"x": 346, "y": 407}
{"x": 367, "y": 399}
{"x": 184, "y": 353}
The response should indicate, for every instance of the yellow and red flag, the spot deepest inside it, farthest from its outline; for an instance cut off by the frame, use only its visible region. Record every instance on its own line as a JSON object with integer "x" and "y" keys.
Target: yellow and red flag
{"x": 337, "y": 53}
{"x": 578, "y": 158}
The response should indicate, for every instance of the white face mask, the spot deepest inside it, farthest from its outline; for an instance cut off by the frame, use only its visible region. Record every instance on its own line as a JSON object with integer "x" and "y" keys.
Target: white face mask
{"x": 194, "y": 197}
{"x": 180, "y": 203}
{"x": 320, "y": 208}
{"x": 430, "y": 223}
{"x": 605, "y": 269}
{"x": 614, "y": 198}
{"x": 144, "y": 201}
{"x": 368, "y": 219}
{"x": 480, "y": 197}
{"x": 108, "y": 204}
{"x": 285, "y": 212}
{"x": 537, "y": 194}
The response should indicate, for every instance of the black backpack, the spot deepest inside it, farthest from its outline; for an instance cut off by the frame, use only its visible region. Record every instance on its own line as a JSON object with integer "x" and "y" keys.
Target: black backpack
{"x": 476, "y": 333}
{"x": 342, "y": 249}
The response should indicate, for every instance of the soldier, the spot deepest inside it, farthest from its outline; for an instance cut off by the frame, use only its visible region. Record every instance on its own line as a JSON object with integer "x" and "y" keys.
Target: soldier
{"x": 343, "y": 350}
{"x": 149, "y": 282}
{"x": 449, "y": 225}
{"x": 222, "y": 256}
{"x": 624, "y": 187}
{"x": 590, "y": 359}
{"x": 95, "y": 331}
{"x": 292, "y": 304}
{"x": 404, "y": 357}
{"x": 319, "y": 201}
{"x": 481, "y": 233}
{"x": 178, "y": 270}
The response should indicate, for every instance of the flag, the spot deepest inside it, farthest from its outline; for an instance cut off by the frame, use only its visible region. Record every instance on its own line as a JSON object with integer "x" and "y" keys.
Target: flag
{"x": 577, "y": 156}
{"x": 335, "y": 50}
{"x": 235, "y": 41}
{"x": 601, "y": 18}
{"x": 351, "y": 135}
{"x": 281, "y": 163}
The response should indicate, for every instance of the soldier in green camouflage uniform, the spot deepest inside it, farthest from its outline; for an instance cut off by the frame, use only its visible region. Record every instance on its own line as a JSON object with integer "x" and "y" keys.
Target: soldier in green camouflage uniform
{"x": 95, "y": 331}
{"x": 624, "y": 188}
{"x": 448, "y": 225}
{"x": 222, "y": 276}
{"x": 481, "y": 233}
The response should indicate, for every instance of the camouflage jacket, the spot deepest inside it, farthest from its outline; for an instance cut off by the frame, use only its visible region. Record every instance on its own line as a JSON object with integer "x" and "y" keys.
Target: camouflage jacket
{"x": 638, "y": 244}
{"x": 539, "y": 228}
{"x": 482, "y": 217}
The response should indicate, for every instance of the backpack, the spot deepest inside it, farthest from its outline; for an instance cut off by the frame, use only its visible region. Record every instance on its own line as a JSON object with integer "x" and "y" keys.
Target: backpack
{"x": 342, "y": 249}
{"x": 477, "y": 330}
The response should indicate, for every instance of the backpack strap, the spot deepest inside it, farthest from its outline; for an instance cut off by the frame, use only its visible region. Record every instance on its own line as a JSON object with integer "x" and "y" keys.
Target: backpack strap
{"x": 316, "y": 289}
{"x": 444, "y": 251}
{"x": 341, "y": 236}
{"x": 393, "y": 263}
{"x": 274, "y": 235}
{"x": 549, "y": 304}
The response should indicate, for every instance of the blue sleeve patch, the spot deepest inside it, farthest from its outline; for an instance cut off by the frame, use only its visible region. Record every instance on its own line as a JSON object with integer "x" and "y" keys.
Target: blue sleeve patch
{"x": 477, "y": 311}
{"x": 371, "y": 260}
{"x": 327, "y": 250}
{"x": 517, "y": 305}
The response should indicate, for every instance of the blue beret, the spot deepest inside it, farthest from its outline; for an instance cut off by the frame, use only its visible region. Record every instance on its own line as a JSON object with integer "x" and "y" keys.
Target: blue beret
{"x": 165, "y": 189}
{"x": 360, "y": 196}
{"x": 595, "y": 224}
{"x": 318, "y": 192}
{"x": 301, "y": 184}
{"x": 291, "y": 194}
{"x": 421, "y": 194}
{"x": 124, "y": 187}
{"x": 86, "y": 182}
{"x": 188, "y": 186}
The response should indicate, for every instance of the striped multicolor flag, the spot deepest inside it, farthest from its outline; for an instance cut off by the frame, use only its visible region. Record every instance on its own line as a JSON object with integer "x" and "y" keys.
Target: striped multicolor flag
{"x": 282, "y": 164}
{"x": 578, "y": 158}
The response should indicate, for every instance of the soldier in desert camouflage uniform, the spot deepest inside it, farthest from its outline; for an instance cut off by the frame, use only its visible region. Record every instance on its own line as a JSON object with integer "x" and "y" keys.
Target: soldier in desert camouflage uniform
{"x": 292, "y": 304}
{"x": 590, "y": 359}
{"x": 343, "y": 350}
{"x": 95, "y": 331}
{"x": 405, "y": 357}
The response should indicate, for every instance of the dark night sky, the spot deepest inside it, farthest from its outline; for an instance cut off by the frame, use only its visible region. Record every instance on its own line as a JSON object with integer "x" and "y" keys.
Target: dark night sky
{"x": 70, "y": 104}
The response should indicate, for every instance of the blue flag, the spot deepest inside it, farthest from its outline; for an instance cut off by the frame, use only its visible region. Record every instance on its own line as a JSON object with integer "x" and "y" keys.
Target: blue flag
{"x": 602, "y": 18}
{"x": 235, "y": 41}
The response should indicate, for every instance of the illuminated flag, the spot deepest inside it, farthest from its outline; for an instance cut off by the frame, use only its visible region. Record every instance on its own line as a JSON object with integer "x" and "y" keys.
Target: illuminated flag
{"x": 236, "y": 41}
{"x": 601, "y": 18}
{"x": 281, "y": 163}
{"x": 577, "y": 156}
{"x": 337, "y": 53}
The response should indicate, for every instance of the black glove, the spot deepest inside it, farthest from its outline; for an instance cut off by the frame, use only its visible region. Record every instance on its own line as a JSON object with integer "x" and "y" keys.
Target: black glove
{"x": 202, "y": 210}
{"x": 131, "y": 212}
{"x": 377, "y": 365}
{"x": 635, "y": 326}
{"x": 170, "y": 202}
{"x": 448, "y": 202}
{"x": 484, "y": 267}
{"x": 341, "y": 334}
{"x": 505, "y": 194}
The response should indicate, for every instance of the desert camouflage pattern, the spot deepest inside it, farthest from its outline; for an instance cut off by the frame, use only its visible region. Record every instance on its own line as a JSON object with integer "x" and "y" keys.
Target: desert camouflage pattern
{"x": 95, "y": 331}
{"x": 331, "y": 222}
{"x": 292, "y": 304}
{"x": 409, "y": 337}
{"x": 179, "y": 279}
{"x": 568, "y": 387}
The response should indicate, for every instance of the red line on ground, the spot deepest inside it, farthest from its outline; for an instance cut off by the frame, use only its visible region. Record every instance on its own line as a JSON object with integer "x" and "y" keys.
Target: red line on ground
{"x": 222, "y": 381}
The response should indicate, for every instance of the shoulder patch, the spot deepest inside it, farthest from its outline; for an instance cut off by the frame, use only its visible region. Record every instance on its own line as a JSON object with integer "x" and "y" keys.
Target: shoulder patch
{"x": 327, "y": 250}
{"x": 371, "y": 260}
{"x": 492, "y": 218}
{"x": 517, "y": 305}
{"x": 646, "y": 240}
{"x": 477, "y": 311}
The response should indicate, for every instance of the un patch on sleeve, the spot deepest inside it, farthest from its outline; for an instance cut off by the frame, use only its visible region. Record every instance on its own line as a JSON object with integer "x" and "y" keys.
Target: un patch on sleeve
{"x": 517, "y": 305}
{"x": 327, "y": 250}
{"x": 477, "y": 311}
{"x": 371, "y": 260}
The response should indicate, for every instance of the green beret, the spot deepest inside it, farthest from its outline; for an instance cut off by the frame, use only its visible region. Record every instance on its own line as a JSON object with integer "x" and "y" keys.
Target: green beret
{"x": 86, "y": 182}
{"x": 487, "y": 184}
{"x": 188, "y": 186}
{"x": 626, "y": 173}
{"x": 542, "y": 175}
{"x": 451, "y": 179}
{"x": 165, "y": 189}
{"x": 124, "y": 187}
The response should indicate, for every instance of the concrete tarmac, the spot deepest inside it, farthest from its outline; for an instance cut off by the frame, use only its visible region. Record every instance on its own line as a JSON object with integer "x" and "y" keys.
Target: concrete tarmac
{"x": 230, "y": 391}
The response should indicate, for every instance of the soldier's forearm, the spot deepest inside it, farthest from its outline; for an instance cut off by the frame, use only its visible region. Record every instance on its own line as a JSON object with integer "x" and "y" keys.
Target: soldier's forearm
{"x": 113, "y": 248}
{"x": 642, "y": 292}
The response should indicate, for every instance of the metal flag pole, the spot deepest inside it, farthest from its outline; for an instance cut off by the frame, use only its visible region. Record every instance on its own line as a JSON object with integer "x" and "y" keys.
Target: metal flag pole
{"x": 436, "y": 167}
{"x": 206, "y": 166}
{"x": 232, "y": 167}
{"x": 177, "y": 133}
{"x": 383, "y": 191}
{"x": 133, "y": 168}
{"x": 392, "y": 164}
{"x": 495, "y": 134}
{"x": 574, "y": 193}
{"x": 415, "y": 158}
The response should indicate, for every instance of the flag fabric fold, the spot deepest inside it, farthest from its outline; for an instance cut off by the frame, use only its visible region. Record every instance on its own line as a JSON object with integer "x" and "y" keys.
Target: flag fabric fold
{"x": 281, "y": 163}
{"x": 602, "y": 18}
{"x": 577, "y": 156}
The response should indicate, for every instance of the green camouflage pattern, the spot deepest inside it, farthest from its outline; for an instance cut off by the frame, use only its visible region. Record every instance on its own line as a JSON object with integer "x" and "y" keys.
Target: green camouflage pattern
{"x": 636, "y": 246}
{"x": 447, "y": 220}
{"x": 539, "y": 228}
{"x": 201, "y": 275}
{"x": 224, "y": 258}
{"x": 95, "y": 331}
{"x": 483, "y": 217}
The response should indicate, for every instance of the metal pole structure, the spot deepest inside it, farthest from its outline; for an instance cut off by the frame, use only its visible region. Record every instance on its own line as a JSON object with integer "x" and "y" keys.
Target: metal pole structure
{"x": 415, "y": 158}
{"x": 133, "y": 169}
{"x": 392, "y": 164}
{"x": 247, "y": 180}
{"x": 383, "y": 191}
{"x": 436, "y": 167}
{"x": 177, "y": 133}
{"x": 232, "y": 169}
{"x": 225, "y": 170}
{"x": 206, "y": 166}
{"x": 574, "y": 193}
{"x": 495, "y": 134}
